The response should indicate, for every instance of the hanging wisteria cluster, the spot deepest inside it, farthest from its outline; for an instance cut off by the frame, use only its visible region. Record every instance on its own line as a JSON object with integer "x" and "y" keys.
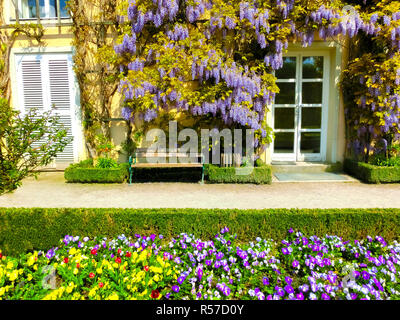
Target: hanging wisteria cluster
{"x": 215, "y": 58}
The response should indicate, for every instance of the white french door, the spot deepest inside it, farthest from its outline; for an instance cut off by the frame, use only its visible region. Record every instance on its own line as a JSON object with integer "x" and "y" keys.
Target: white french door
{"x": 45, "y": 82}
{"x": 300, "y": 109}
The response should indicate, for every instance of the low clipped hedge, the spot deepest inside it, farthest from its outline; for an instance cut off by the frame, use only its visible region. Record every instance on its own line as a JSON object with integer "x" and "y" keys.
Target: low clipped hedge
{"x": 26, "y": 229}
{"x": 84, "y": 172}
{"x": 259, "y": 175}
{"x": 372, "y": 174}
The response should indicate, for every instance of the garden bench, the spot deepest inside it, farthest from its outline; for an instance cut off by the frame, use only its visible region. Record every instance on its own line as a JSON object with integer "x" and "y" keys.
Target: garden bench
{"x": 173, "y": 160}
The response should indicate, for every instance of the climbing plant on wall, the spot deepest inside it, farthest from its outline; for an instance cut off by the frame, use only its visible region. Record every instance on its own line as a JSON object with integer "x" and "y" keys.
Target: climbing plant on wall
{"x": 94, "y": 30}
{"x": 371, "y": 83}
{"x": 8, "y": 35}
{"x": 216, "y": 59}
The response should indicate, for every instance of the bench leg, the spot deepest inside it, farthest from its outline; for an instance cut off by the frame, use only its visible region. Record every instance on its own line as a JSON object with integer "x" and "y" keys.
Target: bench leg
{"x": 202, "y": 175}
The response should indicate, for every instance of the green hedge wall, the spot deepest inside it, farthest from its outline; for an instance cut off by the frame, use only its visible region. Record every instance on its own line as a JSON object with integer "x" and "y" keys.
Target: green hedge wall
{"x": 260, "y": 175}
{"x": 370, "y": 173}
{"x": 25, "y": 229}
{"x": 84, "y": 173}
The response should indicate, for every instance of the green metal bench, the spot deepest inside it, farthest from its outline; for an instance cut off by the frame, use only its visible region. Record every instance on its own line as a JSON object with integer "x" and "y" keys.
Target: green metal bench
{"x": 175, "y": 160}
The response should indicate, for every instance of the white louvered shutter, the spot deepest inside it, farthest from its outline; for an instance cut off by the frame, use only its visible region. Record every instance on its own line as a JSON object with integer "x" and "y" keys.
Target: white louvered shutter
{"x": 60, "y": 101}
{"x": 45, "y": 83}
{"x": 32, "y": 84}
{"x": 32, "y": 88}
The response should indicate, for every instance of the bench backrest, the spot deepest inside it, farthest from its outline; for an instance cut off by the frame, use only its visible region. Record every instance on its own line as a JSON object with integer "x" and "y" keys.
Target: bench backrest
{"x": 167, "y": 156}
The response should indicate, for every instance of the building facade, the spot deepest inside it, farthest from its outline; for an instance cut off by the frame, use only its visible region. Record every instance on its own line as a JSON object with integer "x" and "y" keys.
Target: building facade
{"x": 307, "y": 116}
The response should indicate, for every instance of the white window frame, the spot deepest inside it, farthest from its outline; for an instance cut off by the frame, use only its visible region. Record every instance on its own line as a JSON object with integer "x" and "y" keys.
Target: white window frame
{"x": 297, "y": 156}
{"x": 75, "y": 111}
{"x": 47, "y": 12}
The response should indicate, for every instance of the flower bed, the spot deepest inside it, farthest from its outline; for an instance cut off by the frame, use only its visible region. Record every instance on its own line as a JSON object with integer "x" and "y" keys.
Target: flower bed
{"x": 85, "y": 172}
{"x": 372, "y": 174}
{"x": 297, "y": 268}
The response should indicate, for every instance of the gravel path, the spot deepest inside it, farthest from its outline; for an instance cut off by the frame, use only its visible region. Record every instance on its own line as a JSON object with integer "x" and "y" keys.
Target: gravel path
{"x": 50, "y": 190}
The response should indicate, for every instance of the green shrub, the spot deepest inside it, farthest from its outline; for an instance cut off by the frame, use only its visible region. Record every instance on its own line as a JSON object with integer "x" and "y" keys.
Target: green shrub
{"x": 259, "y": 175}
{"x": 26, "y": 229}
{"x": 370, "y": 173}
{"x": 106, "y": 163}
{"x": 84, "y": 172}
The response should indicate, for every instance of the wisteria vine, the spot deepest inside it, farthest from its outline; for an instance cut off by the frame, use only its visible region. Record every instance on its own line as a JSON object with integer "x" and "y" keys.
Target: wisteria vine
{"x": 216, "y": 59}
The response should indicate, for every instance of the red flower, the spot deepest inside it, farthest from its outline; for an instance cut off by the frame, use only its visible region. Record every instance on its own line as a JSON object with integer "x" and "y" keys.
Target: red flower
{"x": 118, "y": 260}
{"x": 91, "y": 275}
{"x": 155, "y": 294}
{"x": 65, "y": 260}
{"x": 1, "y": 256}
{"x": 77, "y": 265}
{"x": 146, "y": 268}
{"x": 94, "y": 251}
{"x": 119, "y": 251}
{"x": 128, "y": 254}
{"x": 101, "y": 285}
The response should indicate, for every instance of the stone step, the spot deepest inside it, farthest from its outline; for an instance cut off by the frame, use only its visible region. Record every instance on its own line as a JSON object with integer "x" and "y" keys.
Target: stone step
{"x": 305, "y": 167}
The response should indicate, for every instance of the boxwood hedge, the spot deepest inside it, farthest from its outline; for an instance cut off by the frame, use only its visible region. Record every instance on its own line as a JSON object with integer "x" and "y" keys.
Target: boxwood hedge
{"x": 372, "y": 174}
{"x": 26, "y": 229}
{"x": 260, "y": 175}
{"x": 84, "y": 172}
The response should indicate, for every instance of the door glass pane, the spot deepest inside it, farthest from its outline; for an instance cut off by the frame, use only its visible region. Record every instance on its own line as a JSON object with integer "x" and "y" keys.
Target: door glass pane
{"x": 287, "y": 93}
{"x": 288, "y": 71}
{"x": 310, "y": 142}
{"x": 284, "y": 142}
{"x": 311, "y": 118}
{"x": 312, "y": 92}
{"x": 313, "y": 67}
{"x": 284, "y": 118}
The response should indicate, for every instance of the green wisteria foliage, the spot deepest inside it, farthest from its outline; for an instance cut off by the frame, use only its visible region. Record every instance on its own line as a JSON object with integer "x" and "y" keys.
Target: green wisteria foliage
{"x": 216, "y": 59}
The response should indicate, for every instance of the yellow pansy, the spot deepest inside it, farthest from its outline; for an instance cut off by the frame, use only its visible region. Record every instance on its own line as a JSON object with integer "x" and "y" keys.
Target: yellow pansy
{"x": 114, "y": 296}
{"x": 13, "y": 275}
{"x": 72, "y": 251}
{"x": 134, "y": 256}
{"x": 156, "y": 269}
{"x": 156, "y": 278}
{"x": 31, "y": 261}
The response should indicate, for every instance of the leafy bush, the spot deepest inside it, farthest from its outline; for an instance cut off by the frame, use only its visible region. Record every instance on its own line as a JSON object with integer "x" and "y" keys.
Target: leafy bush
{"x": 299, "y": 267}
{"x": 372, "y": 174}
{"x": 84, "y": 172}
{"x": 259, "y": 175}
{"x": 106, "y": 163}
{"x": 27, "y": 143}
{"x": 24, "y": 229}
{"x": 385, "y": 162}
